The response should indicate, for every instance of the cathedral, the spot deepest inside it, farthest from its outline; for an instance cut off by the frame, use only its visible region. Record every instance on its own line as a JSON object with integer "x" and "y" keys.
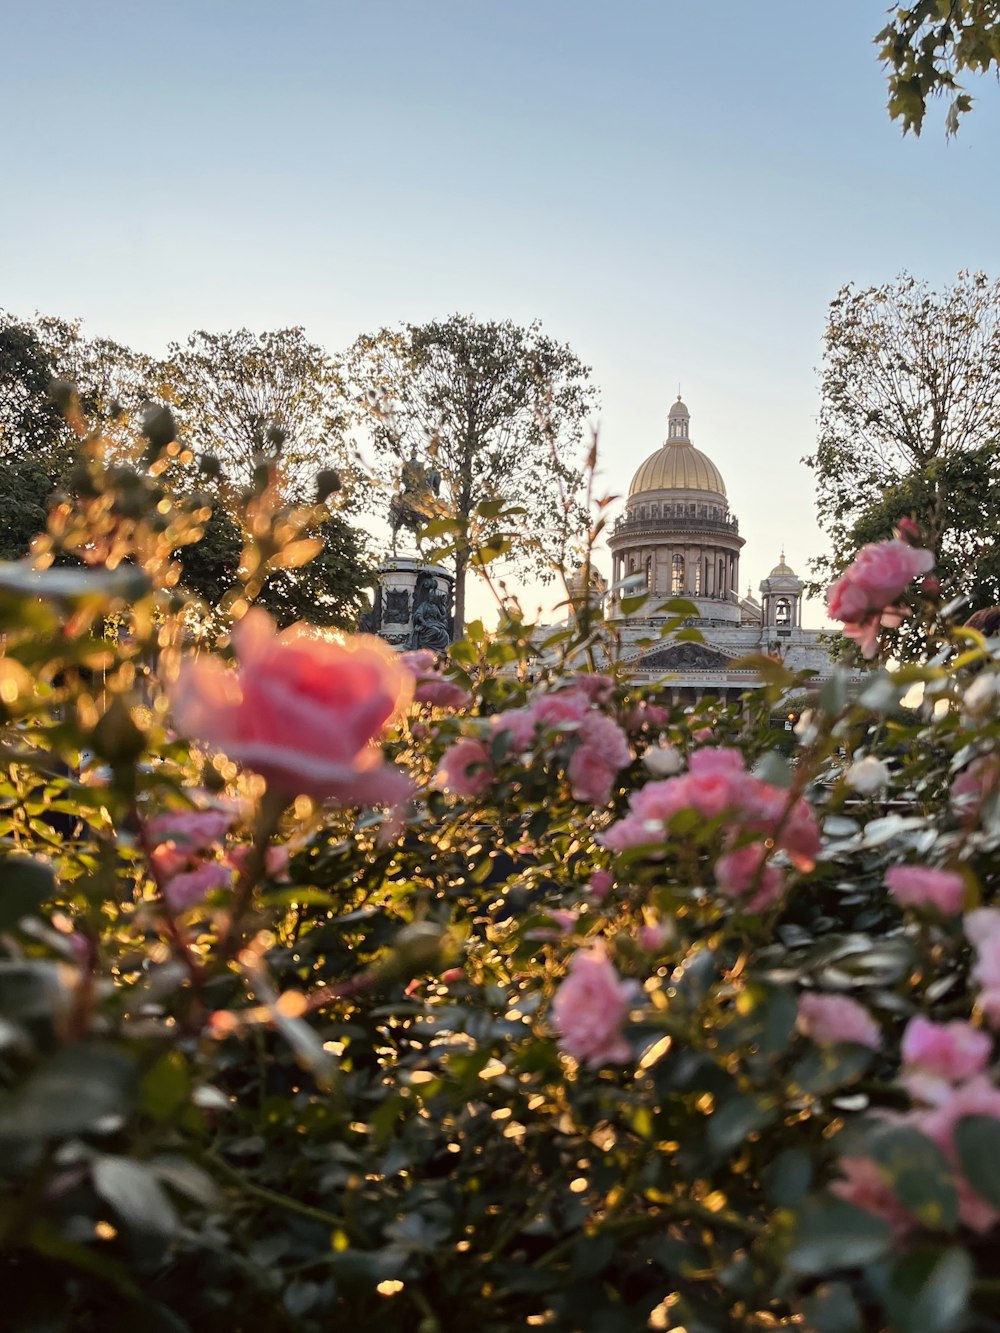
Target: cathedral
{"x": 678, "y": 538}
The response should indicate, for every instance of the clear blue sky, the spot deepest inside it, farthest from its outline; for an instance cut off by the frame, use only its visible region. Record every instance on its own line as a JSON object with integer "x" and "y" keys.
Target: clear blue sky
{"x": 675, "y": 189}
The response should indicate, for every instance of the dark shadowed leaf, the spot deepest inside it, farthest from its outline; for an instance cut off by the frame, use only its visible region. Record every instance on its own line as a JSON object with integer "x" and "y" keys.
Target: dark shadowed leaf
{"x": 977, "y": 1141}
{"x": 830, "y": 1234}
{"x": 69, "y": 1094}
{"x": 832, "y": 1309}
{"x": 927, "y": 1290}
{"x": 918, "y": 1173}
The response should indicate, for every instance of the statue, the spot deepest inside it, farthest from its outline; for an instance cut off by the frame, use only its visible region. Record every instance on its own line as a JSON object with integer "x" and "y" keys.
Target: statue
{"x": 414, "y": 503}
{"x": 432, "y": 622}
{"x": 370, "y": 621}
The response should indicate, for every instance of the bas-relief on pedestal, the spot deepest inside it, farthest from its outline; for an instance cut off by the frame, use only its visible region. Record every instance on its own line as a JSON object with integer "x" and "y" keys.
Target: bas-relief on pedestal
{"x": 412, "y": 605}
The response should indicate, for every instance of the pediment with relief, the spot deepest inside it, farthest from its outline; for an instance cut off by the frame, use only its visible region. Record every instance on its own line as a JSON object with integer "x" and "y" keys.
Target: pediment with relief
{"x": 684, "y": 657}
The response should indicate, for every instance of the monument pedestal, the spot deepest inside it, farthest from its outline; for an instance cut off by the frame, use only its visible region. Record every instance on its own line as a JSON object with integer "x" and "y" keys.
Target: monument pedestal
{"x": 412, "y": 604}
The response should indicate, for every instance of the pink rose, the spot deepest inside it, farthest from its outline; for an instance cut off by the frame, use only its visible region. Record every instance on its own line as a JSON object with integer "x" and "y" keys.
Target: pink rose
{"x": 438, "y": 692}
{"x": 982, "y": 929}
{"x": 520, "y": 724}
{"x": 746, "y": 869}
{"x": 167, "y": 860}
{"x": 560, "y": 708}
{"x": 419, "y": 660}
{"x": 715, "y": 761}
{"x": 879, "y": 574}
{"x": 647, "y": 717}
{"x": 864, "y": 1186}
{"x": 937, "y": 1055}
{"x": 922, "y": 886}
{"x": 865, "y": 634}
{"x": 971, "y": 788}
{"x": 301, "y": 710}
{"x": 652, "y": 938}
{"x": 275, "y": 861}
{"x": 977, "y": 1096}
{"x": 590, "y": 1007}
{"x": 589, "y": 776}
{"x": 190, "y": 888}
{"x": 593, "y": 765}
{"x": 835, "y": 1018}
{"x": 596, "y": 687}
{"x": 191, "y": 831}
{"x": 600, "y": 884}
{"x": 465, "y": 768}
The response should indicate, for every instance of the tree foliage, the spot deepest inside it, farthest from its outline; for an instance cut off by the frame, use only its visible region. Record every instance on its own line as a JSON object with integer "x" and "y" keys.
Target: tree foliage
{"x": 238, "y": 393}
{"x": 927, "y": 46}
{"x": 499, "y": 411}
{"x": 31, "y": 423}
{"x": 909, "y": 424}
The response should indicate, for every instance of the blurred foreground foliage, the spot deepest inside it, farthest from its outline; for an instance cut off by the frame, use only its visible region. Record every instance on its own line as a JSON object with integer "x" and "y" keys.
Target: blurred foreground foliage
{"x": 335, "y": 1092}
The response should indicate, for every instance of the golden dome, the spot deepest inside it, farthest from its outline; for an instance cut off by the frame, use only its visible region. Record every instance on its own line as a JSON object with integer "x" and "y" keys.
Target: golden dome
{"x": 782, "y": 570}
{"x": 678, "y": 467}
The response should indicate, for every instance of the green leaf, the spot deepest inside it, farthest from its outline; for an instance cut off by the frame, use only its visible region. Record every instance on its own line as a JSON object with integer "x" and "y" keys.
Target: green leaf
{"x": 70, "y": 1094}
{"x": 977, "y": 1142}
{"x": 828, "y": 1068}
{"x": 831, "y": 1234}
{"x": 729, "y": 1126}
{"x": 919, "y": 1174}
{"x": 831, "y": 1309}
{"x": 25, "y": 884}
{"x": 787, "y": 1178}
{"x": 166, "y": 1088}
{"x": 135, "y": 1194}
{"x": 928, "y": 1290}
{"x": 833, "y": 695}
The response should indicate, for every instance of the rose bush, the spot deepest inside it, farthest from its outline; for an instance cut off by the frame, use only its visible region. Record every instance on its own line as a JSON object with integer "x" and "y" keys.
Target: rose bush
{"x": 531, "y": 1002}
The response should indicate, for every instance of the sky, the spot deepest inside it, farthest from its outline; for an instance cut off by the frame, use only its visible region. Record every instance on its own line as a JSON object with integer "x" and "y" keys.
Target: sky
{"x": 676, "y": 190}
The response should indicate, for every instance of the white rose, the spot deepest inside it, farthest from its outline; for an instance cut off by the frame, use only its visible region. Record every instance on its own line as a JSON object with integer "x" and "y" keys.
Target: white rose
{"x": 662, "y": 761}
{"x": 867, "y": 776}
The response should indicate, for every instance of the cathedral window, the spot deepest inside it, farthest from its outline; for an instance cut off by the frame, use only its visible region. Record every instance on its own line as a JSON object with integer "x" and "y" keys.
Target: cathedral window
{"x": 677, "y": 574}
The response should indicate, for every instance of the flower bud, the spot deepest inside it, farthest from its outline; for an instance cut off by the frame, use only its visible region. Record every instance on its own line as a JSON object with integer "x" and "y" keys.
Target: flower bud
{"x": 327, "y": 483}
{"x": 158, "y": 425}
{"x": 116, "y": 737}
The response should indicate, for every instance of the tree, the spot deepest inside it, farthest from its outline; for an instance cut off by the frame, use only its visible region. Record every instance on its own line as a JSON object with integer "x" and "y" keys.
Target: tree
{"x": 31, "y": 424}
{"x": 910, "y": 422}
{"x": 498, "y": 411}
{"x": 233, "y": 391}
{"x": 329, "y": 590}
{"x": 927, "y": 44}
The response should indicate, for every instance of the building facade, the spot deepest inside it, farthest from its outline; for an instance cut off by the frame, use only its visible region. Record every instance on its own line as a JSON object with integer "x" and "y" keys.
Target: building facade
{"x": 679, "y": 538}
